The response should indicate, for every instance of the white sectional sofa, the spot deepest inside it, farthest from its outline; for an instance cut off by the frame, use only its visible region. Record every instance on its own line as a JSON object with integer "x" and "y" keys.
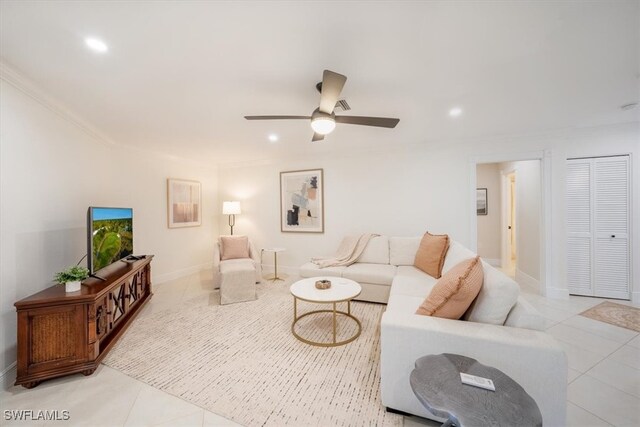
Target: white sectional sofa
{"x": 500, "y": 328}
{"x": 374, "y": 270}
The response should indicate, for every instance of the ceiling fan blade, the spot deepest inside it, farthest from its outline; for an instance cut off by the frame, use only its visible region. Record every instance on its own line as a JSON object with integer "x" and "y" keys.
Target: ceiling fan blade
{"x": 317, "y": 137}
{"x": 382, "y": 122}
{"x": 332, "y": 84}
{"x": 276, "y": 117}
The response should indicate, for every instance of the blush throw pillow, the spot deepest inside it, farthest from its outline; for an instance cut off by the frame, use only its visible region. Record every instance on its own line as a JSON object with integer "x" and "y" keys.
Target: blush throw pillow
{"x": 431, "y": 254}
{"x": 233, "y": 247}
{"x": 452, "y": 295}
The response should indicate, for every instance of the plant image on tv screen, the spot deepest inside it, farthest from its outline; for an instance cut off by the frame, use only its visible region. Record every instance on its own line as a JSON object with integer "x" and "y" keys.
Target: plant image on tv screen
{"x": 112, "y": 235}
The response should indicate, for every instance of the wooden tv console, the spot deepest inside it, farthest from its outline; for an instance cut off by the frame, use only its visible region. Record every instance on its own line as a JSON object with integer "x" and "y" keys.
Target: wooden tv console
{"x": 63, "y": 333}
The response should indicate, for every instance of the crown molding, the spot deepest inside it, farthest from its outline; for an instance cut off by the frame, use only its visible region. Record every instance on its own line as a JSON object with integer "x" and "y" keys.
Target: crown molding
{"x": 20, "y": 82}
{"x": 26, "y": 86}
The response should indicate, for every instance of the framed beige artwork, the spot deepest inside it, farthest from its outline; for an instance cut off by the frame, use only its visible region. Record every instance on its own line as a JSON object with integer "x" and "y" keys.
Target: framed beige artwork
{"x": 184, "y": 206}
{"x": 302, "y": 201}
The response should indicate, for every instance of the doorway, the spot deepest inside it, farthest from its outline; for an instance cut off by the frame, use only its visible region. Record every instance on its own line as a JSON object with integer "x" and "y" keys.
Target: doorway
{"x": 509, "y": 254}
{"x": 509, "y": 229}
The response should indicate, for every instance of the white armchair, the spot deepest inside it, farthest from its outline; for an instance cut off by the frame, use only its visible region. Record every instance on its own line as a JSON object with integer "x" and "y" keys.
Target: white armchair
{"x": 236, "y": 278}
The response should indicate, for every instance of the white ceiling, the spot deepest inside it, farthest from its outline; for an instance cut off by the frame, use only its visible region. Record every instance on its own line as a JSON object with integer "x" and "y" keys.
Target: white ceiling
{"x": 180, "y": 76}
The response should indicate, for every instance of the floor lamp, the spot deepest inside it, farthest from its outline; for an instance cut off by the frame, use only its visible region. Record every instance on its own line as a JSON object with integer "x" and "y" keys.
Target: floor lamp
{"x": 232, "y": 209}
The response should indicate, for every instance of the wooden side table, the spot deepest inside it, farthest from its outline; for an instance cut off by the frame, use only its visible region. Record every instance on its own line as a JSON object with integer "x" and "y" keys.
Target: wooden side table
{"x": 275, "y": 251}
{"x": 436, "y": 383}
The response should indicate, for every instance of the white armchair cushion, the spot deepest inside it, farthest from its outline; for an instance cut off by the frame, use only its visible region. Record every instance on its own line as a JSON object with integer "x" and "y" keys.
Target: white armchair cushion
{"x": 402, "y": 250}
{"x": 376, "y": 252}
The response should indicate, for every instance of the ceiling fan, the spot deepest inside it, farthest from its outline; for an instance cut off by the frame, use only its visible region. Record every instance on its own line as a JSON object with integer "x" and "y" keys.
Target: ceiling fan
{"x": 323, "y": 118}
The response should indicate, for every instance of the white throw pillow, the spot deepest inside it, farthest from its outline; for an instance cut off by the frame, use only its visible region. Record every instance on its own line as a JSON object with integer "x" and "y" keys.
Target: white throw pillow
{"x": 376, "y": 252}
{"x": 496, "y": 298}
{"x": 402, "y": 250}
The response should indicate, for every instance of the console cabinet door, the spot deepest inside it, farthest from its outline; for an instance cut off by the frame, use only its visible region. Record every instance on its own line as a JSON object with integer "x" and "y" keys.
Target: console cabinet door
{"x": 51, "y": 338}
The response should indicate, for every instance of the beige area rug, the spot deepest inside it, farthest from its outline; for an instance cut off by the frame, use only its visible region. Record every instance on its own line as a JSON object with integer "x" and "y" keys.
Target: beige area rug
{"x": 615, "y": 314}
{"x": 242, "y": 362}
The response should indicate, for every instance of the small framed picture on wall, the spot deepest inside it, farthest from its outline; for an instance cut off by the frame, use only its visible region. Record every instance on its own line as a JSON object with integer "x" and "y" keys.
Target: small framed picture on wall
{"x": 302, "y": 201}
{"x": 481, "y": 201}
{"x": 184, "y": 206}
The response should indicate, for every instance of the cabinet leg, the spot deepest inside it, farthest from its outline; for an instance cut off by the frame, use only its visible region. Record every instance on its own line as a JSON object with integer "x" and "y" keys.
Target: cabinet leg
{"x": 30, "y": 384}
{"x": 88, "y": 372}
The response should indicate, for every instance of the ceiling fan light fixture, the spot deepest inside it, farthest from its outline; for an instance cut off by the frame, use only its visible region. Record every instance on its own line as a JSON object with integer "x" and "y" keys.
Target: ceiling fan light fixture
{"x": 323, "y": 125}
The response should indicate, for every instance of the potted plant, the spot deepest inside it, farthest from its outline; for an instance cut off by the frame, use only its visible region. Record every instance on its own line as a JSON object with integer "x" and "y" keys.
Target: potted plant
{"x": 72, "y": 277}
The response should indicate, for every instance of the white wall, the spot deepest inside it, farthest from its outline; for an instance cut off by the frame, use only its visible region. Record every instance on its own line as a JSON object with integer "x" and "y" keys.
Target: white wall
{"x": 489, "y": 226}
{"x": 528, "y": 218}
{"x": 401, "y": 193}
{"x": 409, "y": 189}
{"x": 51, "y": 171}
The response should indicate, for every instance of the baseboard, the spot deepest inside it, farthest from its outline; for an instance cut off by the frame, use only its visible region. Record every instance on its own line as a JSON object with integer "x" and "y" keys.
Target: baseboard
{"x": 527, "y": 281}
{"x": 7, "y": 369}
{"x": 161, "y": 278}
{"x": 556, "y": 293}
{"x": 495, "y": 262}
{"x": 286, "y": 269}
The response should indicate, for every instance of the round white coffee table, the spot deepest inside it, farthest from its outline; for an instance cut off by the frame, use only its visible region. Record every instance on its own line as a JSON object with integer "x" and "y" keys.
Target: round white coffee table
{"x": 341, "y": 290}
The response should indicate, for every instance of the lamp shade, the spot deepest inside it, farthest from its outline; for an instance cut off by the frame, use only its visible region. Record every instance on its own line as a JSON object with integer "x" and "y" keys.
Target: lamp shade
{"x": 231, "y": 208}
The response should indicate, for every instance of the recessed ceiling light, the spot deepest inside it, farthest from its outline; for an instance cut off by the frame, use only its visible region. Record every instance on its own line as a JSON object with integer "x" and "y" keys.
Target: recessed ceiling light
{"x": 455, "y": 112}
{"x": 96, "y": 44}
{"x": 273, "y": 137}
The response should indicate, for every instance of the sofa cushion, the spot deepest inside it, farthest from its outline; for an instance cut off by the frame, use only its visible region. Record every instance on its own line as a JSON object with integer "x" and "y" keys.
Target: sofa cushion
{"x": 452, "y": 295}
{"x": 403, "y": 303}
{"x": 402, "y": 250}
{"x": 413, "y": 272}
{"x": 378, "y": 274}
{"x": 496, "y": 298}
{"x": 234, "y": 247}
{"x": 411, "y": 281}
{"x": 524, "y": 315}
{"x": 455, "y": 255}
{"x": 431, "y": 253}
{"x": 376, "y": 252}
{"x": 312, "y": 270}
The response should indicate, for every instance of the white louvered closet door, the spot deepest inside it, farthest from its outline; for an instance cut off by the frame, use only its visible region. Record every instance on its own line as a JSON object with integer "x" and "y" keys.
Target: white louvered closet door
{"x": 598, "y": 261}
{"x": 611, "y": 227}
{"x": 579, "y": 225}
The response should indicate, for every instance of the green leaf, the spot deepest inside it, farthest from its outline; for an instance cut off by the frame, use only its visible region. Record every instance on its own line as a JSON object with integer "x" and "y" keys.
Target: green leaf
{"x": 106, "y": 248}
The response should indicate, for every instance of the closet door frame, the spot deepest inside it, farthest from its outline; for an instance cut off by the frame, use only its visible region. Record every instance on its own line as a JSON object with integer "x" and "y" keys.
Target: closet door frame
{"x": 630, "y": 218}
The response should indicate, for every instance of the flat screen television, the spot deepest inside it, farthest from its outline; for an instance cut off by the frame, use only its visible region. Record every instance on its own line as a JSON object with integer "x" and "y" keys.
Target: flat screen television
{"x": 109, "y": 236}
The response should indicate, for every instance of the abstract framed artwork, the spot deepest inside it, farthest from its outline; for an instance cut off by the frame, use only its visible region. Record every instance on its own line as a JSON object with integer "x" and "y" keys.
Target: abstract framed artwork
{"x": 481, "y": 201}
{"x": 184, "y": 206}
{"x": 302, "y": 201}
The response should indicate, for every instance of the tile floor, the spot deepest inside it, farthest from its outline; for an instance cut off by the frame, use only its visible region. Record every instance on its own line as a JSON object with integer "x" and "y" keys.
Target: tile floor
{"x": 604, "y": 375}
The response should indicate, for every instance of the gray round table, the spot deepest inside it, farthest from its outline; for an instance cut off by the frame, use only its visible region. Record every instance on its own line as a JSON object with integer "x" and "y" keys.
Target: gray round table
{"x": 436, "y": 383}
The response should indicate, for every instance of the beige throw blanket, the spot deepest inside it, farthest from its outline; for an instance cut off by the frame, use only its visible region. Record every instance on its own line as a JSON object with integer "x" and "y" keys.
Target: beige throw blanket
{"x": 349, "y": 251}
